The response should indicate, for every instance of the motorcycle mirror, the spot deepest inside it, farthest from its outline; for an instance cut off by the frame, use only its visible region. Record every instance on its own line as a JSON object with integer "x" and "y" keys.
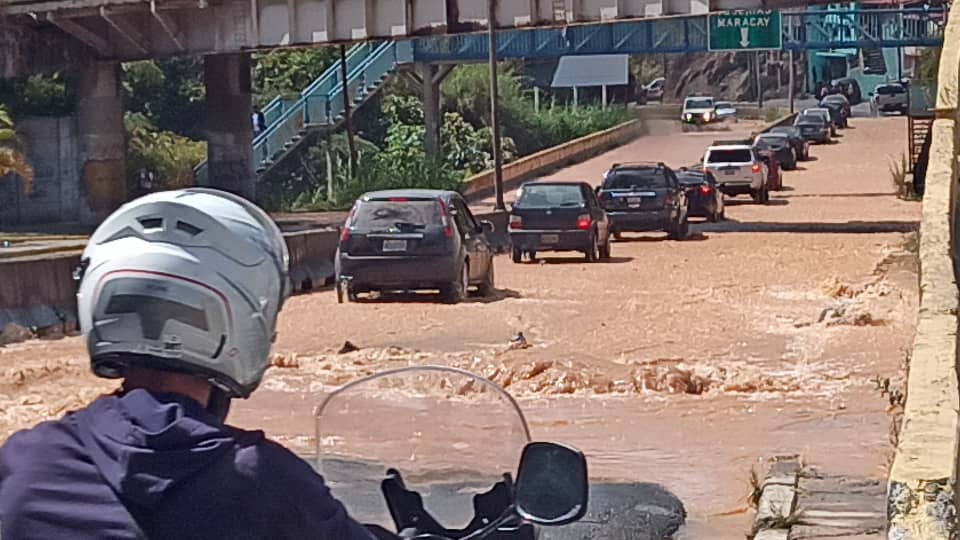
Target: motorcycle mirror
{"x": 552, "y": 486}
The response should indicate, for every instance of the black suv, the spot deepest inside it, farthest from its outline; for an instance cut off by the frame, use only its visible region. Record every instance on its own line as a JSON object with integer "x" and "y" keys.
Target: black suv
{"x": 642, "y": 197}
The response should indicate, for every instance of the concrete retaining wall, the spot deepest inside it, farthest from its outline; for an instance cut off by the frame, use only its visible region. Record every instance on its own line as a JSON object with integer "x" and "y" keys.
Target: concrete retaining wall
{"x": 481, "y": 185}
{"x": 922, "y": 495}
{"x": 39, "y": 293}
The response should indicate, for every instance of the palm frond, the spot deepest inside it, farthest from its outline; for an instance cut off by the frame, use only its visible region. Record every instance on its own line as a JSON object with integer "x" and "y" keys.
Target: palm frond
{"x": 13, "y": 162}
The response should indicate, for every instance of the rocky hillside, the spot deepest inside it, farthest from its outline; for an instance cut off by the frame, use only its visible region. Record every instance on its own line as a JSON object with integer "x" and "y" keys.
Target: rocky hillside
{"x": 728, "y": 76}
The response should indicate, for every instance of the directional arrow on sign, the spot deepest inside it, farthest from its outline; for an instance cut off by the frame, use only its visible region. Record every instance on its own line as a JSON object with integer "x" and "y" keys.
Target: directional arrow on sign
{"x": 744, "y": 37}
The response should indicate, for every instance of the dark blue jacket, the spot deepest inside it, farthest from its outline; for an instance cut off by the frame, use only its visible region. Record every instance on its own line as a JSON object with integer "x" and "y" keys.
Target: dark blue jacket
{"x": 145, "y": 465}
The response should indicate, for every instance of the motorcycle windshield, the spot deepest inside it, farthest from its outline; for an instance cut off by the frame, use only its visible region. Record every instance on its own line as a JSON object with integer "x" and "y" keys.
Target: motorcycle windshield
{"x": 449, "y": 433}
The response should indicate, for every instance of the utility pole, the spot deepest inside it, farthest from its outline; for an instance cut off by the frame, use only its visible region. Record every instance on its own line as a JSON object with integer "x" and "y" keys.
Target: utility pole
{"x": 494, "y": 104}
{"x": 756, "y": 61}
{"x": 348, "y": 124}
{"x": 790, "y": 81}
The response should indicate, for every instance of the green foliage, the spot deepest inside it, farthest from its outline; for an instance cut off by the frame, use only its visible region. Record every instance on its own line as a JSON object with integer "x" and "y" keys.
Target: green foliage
{"x": 169, "y": 93}
{"x": 288, "y": 71}
{"x": 379, "y": 172}
{"x": 929, "y": 66}
{"x": 169, "y": 156}
{"x": 38, "y": 95}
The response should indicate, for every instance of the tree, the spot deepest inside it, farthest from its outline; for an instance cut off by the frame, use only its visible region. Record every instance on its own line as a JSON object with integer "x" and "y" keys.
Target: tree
{"x": 170, "y": 93}
{"x": 288, "y": 71}
{"x": 12, "y": 160}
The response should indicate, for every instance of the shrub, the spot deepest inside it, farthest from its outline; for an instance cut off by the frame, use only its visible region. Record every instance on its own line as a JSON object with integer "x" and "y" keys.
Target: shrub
{"x": 169, "y": 156}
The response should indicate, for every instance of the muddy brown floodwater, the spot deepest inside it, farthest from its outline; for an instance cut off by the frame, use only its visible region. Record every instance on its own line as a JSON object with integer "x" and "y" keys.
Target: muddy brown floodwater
{"x": 683, "y": 363}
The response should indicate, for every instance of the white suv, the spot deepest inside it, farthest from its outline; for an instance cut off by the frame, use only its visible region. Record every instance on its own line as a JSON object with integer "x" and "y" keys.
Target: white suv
{"x": 739, "y": 170}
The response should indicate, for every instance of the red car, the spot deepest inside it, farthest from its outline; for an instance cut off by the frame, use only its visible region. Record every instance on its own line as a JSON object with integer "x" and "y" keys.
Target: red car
{"x": 774, "y": 169}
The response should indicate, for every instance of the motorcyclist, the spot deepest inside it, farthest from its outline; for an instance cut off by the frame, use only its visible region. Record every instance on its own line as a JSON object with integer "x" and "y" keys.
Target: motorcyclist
{"x": 179, "y": 294}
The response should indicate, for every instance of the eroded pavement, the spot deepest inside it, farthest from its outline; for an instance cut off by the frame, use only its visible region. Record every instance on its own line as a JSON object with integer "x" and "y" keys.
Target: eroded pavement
{"x": 681, "y": 363}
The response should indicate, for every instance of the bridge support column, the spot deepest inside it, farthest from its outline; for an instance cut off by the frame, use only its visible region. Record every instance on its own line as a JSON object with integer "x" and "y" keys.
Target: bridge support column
{"x": 229, "y": 127}
{"x": 103, "y": 150}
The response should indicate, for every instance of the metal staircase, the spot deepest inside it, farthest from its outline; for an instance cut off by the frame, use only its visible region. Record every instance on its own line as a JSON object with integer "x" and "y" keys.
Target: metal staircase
{"x": 320, "y": 105}
{"x": 919, "y": 132}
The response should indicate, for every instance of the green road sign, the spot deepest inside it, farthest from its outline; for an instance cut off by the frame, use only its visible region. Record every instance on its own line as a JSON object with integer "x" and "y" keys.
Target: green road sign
{"x": 745, "y": 30}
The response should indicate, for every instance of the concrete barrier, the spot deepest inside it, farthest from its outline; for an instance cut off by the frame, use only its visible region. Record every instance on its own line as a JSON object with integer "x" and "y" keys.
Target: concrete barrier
{"x": 39, "y": 293}
{"x": 922, "y": 494}
{"x": 311, "y": 258}
{"x": 481, "y": 185}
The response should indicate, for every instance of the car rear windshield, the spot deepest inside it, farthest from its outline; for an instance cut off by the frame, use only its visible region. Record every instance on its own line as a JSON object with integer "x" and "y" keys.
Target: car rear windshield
{"x": 890, "y": 90}
{"x": 550, "y": 196}
{"x": 810, "y": 119}
{"x": 730, "y": 156}
{"x": 641, "y": 178}
{"x": 690, "y": 178}
{"x": 787, "y": 131}
{"x": 724, "y": 105}
{"x": 771, "y": 142}
{"x": 379, "y": 215}
{"x": 699, "y": 103}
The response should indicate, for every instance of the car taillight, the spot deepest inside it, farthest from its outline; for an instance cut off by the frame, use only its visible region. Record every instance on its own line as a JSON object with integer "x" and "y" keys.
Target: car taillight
{"x": 447, "y": 223}
{"x": 516, "y": 222}
{"x": 705, "y": 190}
{"x": 755, "y": 168}
{"x": 345, "y": 231}
{"x": 584, "y": 222}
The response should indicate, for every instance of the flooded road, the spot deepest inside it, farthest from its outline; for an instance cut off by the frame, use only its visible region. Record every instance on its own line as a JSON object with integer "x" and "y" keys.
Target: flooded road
{"x": 681, "y": 363}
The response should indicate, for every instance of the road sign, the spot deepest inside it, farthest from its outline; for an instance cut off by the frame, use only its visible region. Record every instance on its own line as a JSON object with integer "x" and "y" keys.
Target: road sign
{"x": 751, "y": 30}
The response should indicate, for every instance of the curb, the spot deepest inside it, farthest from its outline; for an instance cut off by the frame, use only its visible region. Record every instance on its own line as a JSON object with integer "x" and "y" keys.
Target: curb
{"x": 778, "y": 500}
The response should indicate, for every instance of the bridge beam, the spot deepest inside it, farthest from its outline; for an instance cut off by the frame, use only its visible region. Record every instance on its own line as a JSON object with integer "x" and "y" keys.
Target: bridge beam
{"x": 103, "y": 150}
{"x": 229, "y": 127}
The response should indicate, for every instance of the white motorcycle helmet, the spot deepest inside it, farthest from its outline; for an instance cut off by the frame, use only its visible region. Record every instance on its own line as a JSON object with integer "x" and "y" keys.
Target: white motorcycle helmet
{"x": 188, "y": 281}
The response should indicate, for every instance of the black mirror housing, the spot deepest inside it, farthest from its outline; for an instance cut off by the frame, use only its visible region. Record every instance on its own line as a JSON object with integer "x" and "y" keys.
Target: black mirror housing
{"x": 552, "y": 486}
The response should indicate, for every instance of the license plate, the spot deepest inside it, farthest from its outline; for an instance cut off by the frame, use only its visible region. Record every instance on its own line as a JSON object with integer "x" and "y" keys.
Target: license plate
{"x": 394, "y": 245}
{"x": 730, "y": 172}
{"x": 549, "y": 238}
{"x": 634, "y": 201}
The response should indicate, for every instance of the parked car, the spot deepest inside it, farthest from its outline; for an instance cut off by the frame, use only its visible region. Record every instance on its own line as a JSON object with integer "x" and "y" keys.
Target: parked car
{"x": 643, "y": 197}
{"x": 813, "y": 127}
{"x": 704, "y": 198}
{"x": 892, "y": 97}
{"x": 559, "y": 216}
{"x": 654, "y": 89}
{"x": 698, "y": 110}
{"x": 726, "y": 111}
{"x": 779, "y": 145}
{"x": 800, "y": 145}
{"x": 839, "y": 109}
{"x": 827, "y": 116}
{"x": 851, "y": 89}
{"x": 414, "y": 239}
{"x": 739, "y": 170}
{"x": 774, "y": 169}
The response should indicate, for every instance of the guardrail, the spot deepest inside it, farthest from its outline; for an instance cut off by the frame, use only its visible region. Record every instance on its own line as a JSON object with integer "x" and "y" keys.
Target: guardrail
{"x": 921, "y": 493}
